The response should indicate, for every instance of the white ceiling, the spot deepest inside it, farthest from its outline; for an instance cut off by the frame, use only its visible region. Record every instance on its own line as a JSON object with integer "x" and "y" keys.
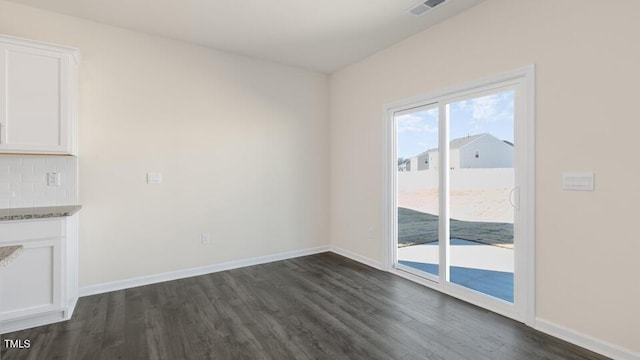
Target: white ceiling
{"x": 322, "y": 35}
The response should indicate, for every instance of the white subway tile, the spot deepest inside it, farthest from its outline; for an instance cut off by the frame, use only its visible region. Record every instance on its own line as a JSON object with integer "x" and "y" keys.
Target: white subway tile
{"x": 26, "y": 169}
{"x": 5, "y": 194}
{"x": 23, "y": 181}
{"x": 39, "y": 165}
{"x": 58, "y": 163}
{"x": 40, "y": 178}
{"x": 4, "y": 168}
{"x": 30, "y": 178}
{"x": 39, "y": 186}
{"x": 26, "y": 187}
{"x": 19, "y": 203}
{"x": 15, "y": 166}
{"x": 15, "y": 188}
{"x": 15, "y": 177}
{"x": 33, "y": 161}
{"x": 32, "y": 196}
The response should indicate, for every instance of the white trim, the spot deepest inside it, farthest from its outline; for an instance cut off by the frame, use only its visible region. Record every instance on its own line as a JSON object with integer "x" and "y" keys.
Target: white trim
{"x": 444, "y": 230}
{"x": 386, "y": 214}
{"x": 68, "y": 311}
{"x": 389, "y": 214}
{"x": 529, "y": 211}
{"x": 12, "y": 325}
{"x": 197, "y": 271}
{"x": 13, "y": 40}
{"x": 356, "y": 257}
{"x": 585, "y": 341}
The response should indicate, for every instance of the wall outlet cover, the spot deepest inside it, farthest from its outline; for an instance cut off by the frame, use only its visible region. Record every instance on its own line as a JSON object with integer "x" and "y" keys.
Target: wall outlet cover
{"x": 53, "y": 179}
{"x": 205, "y": 238}
{"x": 154, "y": 178}
{"x": 578, "y": 181}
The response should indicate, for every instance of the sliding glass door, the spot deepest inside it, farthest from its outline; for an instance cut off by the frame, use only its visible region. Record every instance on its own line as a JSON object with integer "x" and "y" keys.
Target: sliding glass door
{"x": 458, "y": 222}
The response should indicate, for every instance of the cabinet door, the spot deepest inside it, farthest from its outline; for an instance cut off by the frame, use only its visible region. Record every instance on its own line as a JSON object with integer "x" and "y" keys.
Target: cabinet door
{"x": 31, "y": 283}
{"x": 34, "y": 100}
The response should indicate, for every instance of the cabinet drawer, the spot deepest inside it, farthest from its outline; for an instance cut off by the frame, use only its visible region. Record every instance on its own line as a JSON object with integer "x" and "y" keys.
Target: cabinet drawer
{"x": 31, "y": 230}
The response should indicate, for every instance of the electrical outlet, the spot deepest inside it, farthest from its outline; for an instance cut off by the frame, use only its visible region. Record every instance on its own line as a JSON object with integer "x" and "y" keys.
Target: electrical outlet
{"x": 53, "y": 179}
{"x": 205, "y": 239}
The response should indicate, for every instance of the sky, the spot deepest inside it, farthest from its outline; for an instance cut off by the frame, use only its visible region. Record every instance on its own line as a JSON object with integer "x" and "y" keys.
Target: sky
{"x": 418, "y": 131}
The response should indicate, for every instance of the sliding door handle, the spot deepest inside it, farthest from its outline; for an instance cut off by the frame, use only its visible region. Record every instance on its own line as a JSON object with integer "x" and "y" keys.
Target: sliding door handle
{"x": 514, "y": 197}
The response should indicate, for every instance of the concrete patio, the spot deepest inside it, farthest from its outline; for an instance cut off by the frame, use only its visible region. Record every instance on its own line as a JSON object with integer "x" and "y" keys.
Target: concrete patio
{"x": 484, "y": 268}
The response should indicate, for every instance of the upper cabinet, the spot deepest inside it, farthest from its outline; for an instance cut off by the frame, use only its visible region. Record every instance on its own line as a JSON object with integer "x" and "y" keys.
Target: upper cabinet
{"x": 38, "y": 90}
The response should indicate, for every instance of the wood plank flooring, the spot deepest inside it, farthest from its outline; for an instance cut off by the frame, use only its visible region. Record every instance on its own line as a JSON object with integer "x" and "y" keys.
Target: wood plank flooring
{"x": 316, "y": 307}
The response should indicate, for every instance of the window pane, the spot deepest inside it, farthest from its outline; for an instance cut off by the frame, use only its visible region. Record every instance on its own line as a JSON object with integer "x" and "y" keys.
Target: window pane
{"x": 417, "y": 149}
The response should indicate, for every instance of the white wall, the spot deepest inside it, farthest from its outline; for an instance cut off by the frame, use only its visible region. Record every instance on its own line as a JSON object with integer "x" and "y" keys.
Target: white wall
{"x": 23, "y": 181}
{"x": 586, "y": 57}
{"x": 242, "y": 145}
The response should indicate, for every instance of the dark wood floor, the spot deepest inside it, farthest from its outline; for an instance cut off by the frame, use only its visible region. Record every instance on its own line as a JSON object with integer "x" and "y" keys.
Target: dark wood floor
{"x": 316, "y": 307}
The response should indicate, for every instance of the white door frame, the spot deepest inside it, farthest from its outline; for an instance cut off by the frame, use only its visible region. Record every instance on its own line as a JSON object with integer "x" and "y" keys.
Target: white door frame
{"x": 523, "y": 81}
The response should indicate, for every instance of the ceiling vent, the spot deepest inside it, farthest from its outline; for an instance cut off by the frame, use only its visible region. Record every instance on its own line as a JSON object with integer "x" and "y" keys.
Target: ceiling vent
{"x": 423, "y": 7}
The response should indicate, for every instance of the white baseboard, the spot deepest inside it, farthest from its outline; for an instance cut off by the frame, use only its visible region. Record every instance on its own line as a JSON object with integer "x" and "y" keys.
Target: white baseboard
{"x": 70, "y": 308}
{"x": 585, "y": 341}
{"x": 197, "y": 271}
{"x": 353, "y": 256}
{"x": 9, "y": 326}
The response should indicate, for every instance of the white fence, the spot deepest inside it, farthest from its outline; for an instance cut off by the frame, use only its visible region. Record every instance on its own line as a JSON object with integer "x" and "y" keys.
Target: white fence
{"x": 467, "y": 179}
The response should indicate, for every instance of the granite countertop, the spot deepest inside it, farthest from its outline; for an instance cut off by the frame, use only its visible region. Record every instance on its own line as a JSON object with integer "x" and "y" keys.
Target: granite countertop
{"x": 38, "y": 212}
{"x": 8, "y": 253}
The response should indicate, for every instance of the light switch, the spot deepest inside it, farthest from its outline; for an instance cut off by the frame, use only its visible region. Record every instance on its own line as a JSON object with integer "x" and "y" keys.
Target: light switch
{"x": 154, "y": 178}
{"x": 582, "y": 181}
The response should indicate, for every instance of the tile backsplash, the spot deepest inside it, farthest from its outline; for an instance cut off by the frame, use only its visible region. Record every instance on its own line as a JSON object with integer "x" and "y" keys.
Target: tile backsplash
{"x": 23, "y": 181}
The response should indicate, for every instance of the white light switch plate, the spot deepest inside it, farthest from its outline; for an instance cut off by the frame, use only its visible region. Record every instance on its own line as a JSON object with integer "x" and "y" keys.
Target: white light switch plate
{"x": 578, "y": 181}
{"x": 205, "y": 238}
{"x": 154, "y": 178}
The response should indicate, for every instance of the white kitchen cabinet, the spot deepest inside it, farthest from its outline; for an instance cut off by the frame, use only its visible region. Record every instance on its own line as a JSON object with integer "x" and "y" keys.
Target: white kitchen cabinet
{"x": 38, "y": 86}
{"x": 40, "y": 286}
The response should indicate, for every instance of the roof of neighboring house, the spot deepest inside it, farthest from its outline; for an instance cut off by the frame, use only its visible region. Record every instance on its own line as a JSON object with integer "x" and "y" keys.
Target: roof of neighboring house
{"x": 456, "y": 143}
{"x": 460, "y": 142}
{"x": 425, "y": 152}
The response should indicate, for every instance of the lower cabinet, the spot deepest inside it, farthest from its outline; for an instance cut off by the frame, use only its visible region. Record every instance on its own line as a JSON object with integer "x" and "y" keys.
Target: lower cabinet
{"x": 40, "y": 286}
